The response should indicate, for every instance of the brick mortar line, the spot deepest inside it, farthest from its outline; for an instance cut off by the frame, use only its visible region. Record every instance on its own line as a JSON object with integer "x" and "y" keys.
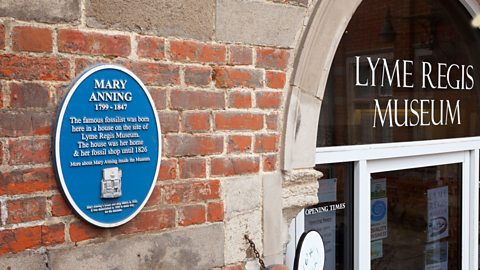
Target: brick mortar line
{"x": 222, "y": 133}
{"x": 133, "y": 46}
{"x": 5, "y": 157}
{"x": 111, "y": 32}
{"x": 181, "y": 74}
{"x": 18, "y": 138}
{"x": 38, "y": 194}
{"x": 83, "y": 28}
{"x": 83, "y": 18}
{"x": 3, "y": 168}
{"x": 8, "y": 36}
{"x": 55, "y": 41}
{"x": 24, "y": 225}
{"x": 133, "y": 57}
{"x": 3, "y": 212}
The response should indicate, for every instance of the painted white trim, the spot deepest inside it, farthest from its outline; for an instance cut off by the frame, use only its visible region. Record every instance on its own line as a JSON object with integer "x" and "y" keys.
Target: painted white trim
{"x": 335, "y": 154}
{"x": 57, "y": 157}
{"x": 466, "y": 219}
{"x": 382, "y": 165}
{"x": 473, "y": 187}
{"x": 473, "y": 8}
{"x": 402, "y": 163}
{"x": 361, "y": 216}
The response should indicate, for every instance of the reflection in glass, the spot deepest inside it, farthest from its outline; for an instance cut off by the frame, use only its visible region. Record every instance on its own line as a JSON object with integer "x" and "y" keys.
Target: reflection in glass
{"x": 332, "y": 217}
{"x": 403, "y": 71}
{"x": 415, "y": 219}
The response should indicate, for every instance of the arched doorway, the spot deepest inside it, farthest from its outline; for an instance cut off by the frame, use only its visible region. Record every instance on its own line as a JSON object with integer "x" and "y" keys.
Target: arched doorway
{"x": 389, "y": 152}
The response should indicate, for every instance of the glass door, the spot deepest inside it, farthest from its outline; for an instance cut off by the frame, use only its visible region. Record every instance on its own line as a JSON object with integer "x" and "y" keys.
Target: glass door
{"x": 418, "y": 214}
{"x": 416, "y": 218}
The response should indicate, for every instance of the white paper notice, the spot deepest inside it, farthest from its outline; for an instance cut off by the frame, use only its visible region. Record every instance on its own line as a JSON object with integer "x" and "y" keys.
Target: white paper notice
{"x": 437, "y": 227}
{"x": 379, "y": 209}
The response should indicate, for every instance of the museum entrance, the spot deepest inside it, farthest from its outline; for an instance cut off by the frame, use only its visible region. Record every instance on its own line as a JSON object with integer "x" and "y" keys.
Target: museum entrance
{"x": 408, "y": 206}
{"x": 397, "y": 141}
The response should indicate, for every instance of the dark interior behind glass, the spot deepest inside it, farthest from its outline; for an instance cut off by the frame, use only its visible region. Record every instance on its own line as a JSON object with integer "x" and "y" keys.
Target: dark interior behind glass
{"x": 437, "y": 32}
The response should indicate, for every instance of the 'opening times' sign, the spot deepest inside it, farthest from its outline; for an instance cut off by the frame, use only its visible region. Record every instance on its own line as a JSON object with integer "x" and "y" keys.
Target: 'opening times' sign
{"x": 417, "y": 111}
{"x": 107, "y": 145}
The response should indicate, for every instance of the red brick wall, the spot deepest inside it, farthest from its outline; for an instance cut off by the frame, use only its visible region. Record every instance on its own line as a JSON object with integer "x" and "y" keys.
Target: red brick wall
{"x": 220, "y": 107}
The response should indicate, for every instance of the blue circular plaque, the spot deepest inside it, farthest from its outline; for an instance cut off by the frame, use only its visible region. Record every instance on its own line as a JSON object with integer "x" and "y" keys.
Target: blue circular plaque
{"x": 107, "y": 145}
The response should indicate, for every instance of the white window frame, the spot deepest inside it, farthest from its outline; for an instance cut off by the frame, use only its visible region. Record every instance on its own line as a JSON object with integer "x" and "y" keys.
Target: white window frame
{"x": 373, "y": 158}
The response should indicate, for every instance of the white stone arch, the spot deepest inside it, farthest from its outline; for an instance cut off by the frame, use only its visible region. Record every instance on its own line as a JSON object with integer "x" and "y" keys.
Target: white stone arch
{"x": 314, "y": 57}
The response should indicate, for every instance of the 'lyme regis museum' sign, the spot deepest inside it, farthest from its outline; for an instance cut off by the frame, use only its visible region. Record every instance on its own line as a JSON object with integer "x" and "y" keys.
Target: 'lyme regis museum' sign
{"x": 107, "y": 145}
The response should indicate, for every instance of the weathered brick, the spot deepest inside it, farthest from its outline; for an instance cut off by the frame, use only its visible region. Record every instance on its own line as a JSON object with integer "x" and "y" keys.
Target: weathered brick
{"x": 29, "y": 95}
{"x": 19, "y": 239}
{"x": 233, "y": 267}
{"x": 194, "y": 100}
{"x": 226, "y": 77}
{"x": 194, "y": 121}
{"x": 29, "y": 151}
{"x": 275, "y": 79}
{"x": 31, "y": 39}
{"x": 240, "y": 55}
{"x": 1, "y": 158}
{"x": 2, "y": 37}
{"x": 151, "y": 47}
{"x": 15, "y": 123}
{"x": 198, "y": 76}
{"x": 193, "y": 168}
{"x": 53, "y": 234}
{"x": 176, "y": 193}
{"x": 81, "y": 64}
{"x": 27, "y": 181}
{"x": 272, "y": 121}
{"x": 234, "y": 166}
{"x": 269, "y": 163}
{"x": 191, "y": 51}
{"x": 191, "y": 214}
{"x": 215, "y": 212}
{"x": 25, "y": 210}
{"x": 168, "y": 169}
{"x": 196, "y": 191}
{"x": 239, "y": 99}
{"x": 155, "y": 198}
{"x": 159, "y": 97}
{"x": 239, "y": 143}
{"x": 205, "y": 190}
{"x": 190, "y": 145}
{"x": 266, "y": 143}
{"x": 81, "y": 231}
{"x": 18, "y": 67}
{"x": 269, "y": 100}
{"x": 1, "y": 97}
{"x": 74, "y": 41}
{"x": 169, "y": 121}
{"x": 59, "y": 206}
{"x": 269, "y": 58}
{"x": 42, "y": 123}
{"x": 148, "y": 221}
{"x": 155, "y": 73}
{"x": 238, "y": 121}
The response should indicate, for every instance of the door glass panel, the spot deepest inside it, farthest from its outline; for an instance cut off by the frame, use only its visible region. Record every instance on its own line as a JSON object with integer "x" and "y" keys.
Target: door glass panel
{"x": 332, "y": 217}
{"x": 416, "y": 218}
